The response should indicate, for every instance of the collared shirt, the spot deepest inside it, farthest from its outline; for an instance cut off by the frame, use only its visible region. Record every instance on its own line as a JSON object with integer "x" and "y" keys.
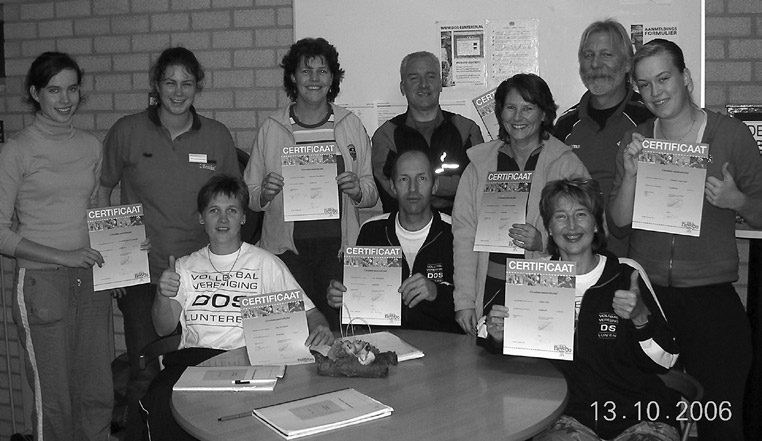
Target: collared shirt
{"x": 165, "y": 174}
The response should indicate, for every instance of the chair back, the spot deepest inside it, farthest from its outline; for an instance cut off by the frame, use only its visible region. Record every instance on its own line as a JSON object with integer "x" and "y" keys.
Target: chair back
{"x": 689, "y": 388}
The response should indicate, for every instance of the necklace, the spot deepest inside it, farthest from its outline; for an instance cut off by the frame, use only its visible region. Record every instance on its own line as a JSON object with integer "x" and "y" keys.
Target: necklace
{"x": 226, "y": 274}
{"x": 690, "y": 129}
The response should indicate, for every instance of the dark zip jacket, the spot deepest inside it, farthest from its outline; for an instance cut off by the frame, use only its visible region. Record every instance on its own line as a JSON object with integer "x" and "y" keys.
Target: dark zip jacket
{"x": 614, "y": 372}
{"x": 434, "y": 261}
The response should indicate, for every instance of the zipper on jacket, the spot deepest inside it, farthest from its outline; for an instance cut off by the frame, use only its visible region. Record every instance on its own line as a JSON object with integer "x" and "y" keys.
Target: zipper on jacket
{"x": 671, "y": 261}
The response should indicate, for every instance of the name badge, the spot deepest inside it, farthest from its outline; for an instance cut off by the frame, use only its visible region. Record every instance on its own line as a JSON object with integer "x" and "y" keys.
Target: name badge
{"x": 197, "y": 158}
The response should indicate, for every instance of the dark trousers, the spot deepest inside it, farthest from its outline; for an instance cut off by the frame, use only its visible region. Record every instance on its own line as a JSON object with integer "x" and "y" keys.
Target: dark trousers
{"x": 138, "y": 331}
{"x": 156, "y": 409}
{"x": 313, "y": 268}
{"x": 714, "y": 337}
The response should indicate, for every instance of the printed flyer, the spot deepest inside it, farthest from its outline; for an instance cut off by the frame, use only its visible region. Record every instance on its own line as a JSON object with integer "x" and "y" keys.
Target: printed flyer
{"x": 372, "y": 276}
{"x": 485, "y": 107}
{"x": 669, "y": 191}
{"x": 503, "y": 204}
{"x": 117, "y": 232}
{"x": 309, "y": 174}
{"x": 275, "y": 328}
{"x": 539, "y": 295}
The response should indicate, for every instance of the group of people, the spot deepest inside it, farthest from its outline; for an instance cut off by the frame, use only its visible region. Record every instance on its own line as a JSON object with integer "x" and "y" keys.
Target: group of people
{"x": 429, "y": 166}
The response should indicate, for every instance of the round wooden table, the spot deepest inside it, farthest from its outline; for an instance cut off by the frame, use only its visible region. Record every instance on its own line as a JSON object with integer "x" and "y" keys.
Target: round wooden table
{"x": 458, "y": 391}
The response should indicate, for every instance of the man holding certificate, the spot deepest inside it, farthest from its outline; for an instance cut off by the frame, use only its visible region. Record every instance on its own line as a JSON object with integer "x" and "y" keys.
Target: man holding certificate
{"x": 425, "y": 237}
{"x": 621, "y": 338}
{"x": 694, "y": 274}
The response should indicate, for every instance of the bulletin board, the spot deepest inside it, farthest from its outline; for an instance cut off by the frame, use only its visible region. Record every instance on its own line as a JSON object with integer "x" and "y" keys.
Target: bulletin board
{"x": 373, "y": 36}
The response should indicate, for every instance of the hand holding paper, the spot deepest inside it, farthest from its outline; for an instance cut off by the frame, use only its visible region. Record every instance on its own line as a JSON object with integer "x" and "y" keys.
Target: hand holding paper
{"x": 169, "y": 283}
{"x": 629, "y": 305}
{"x": 334, "y": 294}
{"x": 631, "y": 154}
{"x": 526, "y": 236}
{"x": 272, "y": 184}
{"x": 349, "y": 184}
{"x": 84, "y": 257}
{"x": 495, "y": 322}
{"x": 724, "y": 193}
{"x": 417, "y": 288}
{"x": 466, "y": 318}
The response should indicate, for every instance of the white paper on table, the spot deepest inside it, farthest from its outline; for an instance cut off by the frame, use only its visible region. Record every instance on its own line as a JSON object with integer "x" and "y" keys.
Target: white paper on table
{"x": 275, "y": 328}
{"x": 320, "y": 413}
{"x": 539, "y": 295}
{"x": 504, "y": 203}
{"x": 310, "y": 191}
{"x": 117, "y": 232}
{"x": 372, "y": 276}
{"x": 669, "y": 190}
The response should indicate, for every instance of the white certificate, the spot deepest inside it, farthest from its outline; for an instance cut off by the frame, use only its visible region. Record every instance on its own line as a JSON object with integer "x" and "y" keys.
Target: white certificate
{"x": 372, "y": 276}
{"x": 669, "y": 190}
{"x": 310, "y": 191}
{"x": 117, "y": 232}
{"x": 503, "y": 204}
{"x": 539, "y": 295}
{"x": 275, "y": 328}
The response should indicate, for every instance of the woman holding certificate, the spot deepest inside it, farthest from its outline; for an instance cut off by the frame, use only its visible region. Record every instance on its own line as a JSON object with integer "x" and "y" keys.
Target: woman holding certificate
{"x": 693, "y": 275}
{"x": 614, "y": 372}
{"x": 310, "y": 172}
{"x": 49, "y": 174}
{"x": 526, "y": 110}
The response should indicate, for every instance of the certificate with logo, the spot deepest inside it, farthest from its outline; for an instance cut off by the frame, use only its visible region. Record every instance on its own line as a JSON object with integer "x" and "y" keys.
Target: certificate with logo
{"x": 275, "y": 328}
{"x": 372, "y": 276}
{"x": 117, "y": 232}
{"x": 669, "y": 191}
{"x": 539, "y": 295}
{"x": 310, "y": 191}
{"x": 504, "y": 203}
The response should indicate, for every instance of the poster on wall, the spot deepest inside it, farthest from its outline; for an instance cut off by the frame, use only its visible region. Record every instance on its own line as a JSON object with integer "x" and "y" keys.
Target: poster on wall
{"x": 642, "y": 33}
{"x": 751, "y": 115}
{"x": 484, "y": 53}
{"x": 462, "y": 54}
{"x": 514, "y": 47}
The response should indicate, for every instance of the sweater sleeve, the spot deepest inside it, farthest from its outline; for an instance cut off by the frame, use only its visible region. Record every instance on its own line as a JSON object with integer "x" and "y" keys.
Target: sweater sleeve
{"x": 11, "y": 174}
{"x": 364, "y": 168}
{"x": 464, "y": 218}
{"x": 255, "y": 169}
{"x": 656, "y": 348}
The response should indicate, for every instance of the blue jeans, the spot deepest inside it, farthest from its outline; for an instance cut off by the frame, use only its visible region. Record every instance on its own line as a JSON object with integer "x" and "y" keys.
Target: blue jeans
{"x": 138, "y": 331}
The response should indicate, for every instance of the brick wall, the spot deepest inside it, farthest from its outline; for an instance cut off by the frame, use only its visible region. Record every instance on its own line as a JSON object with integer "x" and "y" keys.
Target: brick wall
{"x": 240, "y": 43}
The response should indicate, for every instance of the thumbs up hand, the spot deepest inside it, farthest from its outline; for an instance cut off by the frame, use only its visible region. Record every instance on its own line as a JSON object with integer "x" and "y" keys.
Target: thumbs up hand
{"x": 169, "y": 283}
{"x": 629, "y": 305}
{"x": 724, "y": 193}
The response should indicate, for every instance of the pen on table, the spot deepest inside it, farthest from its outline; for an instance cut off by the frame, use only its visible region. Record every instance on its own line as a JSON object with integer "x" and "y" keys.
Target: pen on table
{"x": 241, "y": 382}
{"x": 236, "y": 416}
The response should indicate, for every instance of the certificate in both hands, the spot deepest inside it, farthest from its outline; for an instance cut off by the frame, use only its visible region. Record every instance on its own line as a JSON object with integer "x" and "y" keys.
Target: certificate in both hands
{"x": 372, "y": 276}
{"x": 669, "y": 190}
{"x": 503, "y": 204}
{"x": 309, "y": 174}
{"x": 539, "y": 295}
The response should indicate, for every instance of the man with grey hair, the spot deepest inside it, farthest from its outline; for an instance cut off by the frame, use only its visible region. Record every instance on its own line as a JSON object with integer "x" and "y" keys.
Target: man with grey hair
{"x": 594, "y": 127}
{"x": 443, "y": 135}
